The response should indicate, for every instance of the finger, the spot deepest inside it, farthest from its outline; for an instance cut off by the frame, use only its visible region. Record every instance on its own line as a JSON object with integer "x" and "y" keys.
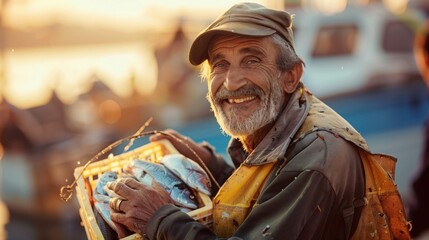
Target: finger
{"x": 120, "y": 188}
{"x": 156, "y": 137}
{"x": 129, "y": 224}
{"x": 166, "y": 134}
{"x": 162, "y": 192}
{"x": 175, "y": 138}
{"x": 115, "y": 204}
{"x": 118, "y": 217}
{"x": 173, "y": 134}
{"x": 158, "y": 187}
{"x": 129, "y": 181}
{"x": 134, "y": 184}
{"x": 122, "y": 230}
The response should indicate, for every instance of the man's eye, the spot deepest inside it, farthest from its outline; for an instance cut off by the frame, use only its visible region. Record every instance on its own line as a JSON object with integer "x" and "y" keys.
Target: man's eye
{"x": 221, "y": 64}
{"x": 251, "y": 61}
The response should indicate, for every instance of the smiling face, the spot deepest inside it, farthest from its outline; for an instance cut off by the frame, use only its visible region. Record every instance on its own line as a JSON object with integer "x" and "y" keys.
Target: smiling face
{"x": 245, "y": 86}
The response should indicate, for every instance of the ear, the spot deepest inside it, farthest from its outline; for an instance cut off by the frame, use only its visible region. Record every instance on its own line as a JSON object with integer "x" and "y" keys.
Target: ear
{"x": 292, "y": 78}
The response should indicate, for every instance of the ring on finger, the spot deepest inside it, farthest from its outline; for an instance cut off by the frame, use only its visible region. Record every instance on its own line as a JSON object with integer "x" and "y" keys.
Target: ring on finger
{"x": 115, "y": 203}
{"x": 118, "y": 204}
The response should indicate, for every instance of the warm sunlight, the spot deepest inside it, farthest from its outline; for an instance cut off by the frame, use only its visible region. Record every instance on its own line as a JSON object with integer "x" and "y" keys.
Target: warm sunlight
{"x": 69, "y": 70}
{"x": 327, "y": 7}
{"x": 88, "y": 87}
{"x": 396, "y": 6}
{"x": 73, "y": 43}
{"x": 133, "y": 14}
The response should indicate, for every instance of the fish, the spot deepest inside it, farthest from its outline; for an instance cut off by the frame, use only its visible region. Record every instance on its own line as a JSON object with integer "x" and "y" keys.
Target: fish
{"x": 189, "y": 171}
{"x": 100, "y": 198}
{"x": 112, "y": 193}
{"x": 179, "y": 192}
{"x": 101, "y": 201}
{"x": 105, "y": 178}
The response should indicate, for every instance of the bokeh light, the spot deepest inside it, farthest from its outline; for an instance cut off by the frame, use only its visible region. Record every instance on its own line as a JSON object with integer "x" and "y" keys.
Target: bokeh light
{"x": 396, "y": 6}
{"x": 327, "y": 7}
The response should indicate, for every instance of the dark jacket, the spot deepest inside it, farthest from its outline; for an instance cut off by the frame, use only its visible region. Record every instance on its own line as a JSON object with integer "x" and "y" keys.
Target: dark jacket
{"x": 310, "y": 194}
{"x": 419, "y": 209}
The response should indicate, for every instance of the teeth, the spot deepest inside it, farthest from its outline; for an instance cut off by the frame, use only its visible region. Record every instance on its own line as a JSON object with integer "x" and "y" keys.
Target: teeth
{"x": 240, "y": 100}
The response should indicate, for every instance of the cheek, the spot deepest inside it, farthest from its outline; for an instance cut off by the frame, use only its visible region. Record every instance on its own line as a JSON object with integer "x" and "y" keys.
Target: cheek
{"x": 263, "y": 78}
{"x": 214, "y": 85}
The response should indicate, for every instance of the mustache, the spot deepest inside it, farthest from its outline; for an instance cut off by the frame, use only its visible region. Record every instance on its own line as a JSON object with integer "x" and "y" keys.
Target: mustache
{"x": 247, "y": 90}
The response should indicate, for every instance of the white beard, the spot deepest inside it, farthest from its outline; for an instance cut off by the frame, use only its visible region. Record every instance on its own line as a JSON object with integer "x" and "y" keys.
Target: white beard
{"x": 232, "y": 122}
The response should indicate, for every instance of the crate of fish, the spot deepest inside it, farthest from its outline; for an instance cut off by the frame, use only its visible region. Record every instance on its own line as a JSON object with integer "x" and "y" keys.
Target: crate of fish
{"x": 156, "y": 161}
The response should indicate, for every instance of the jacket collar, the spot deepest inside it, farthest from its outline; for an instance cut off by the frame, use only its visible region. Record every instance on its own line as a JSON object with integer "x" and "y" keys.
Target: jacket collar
{"x": 322, "y": 118}
{"x": 274, "y": 145}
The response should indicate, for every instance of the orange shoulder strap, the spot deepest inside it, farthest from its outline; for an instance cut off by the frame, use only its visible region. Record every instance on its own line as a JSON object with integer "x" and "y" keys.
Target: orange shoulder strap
{"x": 383, "y": 217}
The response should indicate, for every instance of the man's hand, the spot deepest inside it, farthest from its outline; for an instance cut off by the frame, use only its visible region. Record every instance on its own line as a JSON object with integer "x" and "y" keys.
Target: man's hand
{"x": 139, "y": 203}
{"x": 179, "y": 142}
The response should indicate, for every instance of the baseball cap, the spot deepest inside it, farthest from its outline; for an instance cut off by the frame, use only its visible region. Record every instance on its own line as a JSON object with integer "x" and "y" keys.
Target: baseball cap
{"x": 246, "y": 19}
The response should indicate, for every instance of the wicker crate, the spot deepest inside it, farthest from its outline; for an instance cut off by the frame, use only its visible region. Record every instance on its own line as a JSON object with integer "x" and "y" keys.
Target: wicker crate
{"x": 90, "y": 175}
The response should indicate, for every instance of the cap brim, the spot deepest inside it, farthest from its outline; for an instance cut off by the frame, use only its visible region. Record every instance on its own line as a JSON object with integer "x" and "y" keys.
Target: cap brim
{"x": 199, "y": 49}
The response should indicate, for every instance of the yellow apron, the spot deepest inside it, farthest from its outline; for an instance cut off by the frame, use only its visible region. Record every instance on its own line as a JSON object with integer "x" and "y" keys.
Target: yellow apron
{"x": 237, "y": 197}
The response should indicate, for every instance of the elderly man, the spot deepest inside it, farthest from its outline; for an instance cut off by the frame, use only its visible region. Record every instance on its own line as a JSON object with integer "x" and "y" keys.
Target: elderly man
{"x": 298, "y": 172}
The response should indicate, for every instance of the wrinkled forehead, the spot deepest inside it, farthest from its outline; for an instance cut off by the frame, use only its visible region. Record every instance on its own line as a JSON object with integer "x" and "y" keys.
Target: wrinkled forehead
{"x": 239, "y": 43}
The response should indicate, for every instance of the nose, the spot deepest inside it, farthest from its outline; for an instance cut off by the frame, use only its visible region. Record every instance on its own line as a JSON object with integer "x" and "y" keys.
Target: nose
{"x": 234, "y": 79}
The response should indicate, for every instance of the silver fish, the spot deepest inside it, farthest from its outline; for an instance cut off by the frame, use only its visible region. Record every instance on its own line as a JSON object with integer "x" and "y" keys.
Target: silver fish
{"x": 105, "y": 178}
{"x": 112, "y": 193}
{"x": 189, "y": 171}
{"x": 181, "y": 194}
{"x": 101, "y": 197}
{"x": 141, "y": 175}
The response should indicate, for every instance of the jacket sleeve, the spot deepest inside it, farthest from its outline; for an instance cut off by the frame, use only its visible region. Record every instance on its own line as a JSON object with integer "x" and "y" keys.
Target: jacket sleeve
{"x": 308, "y": 197}
{"x": 172, "y": 224}
{"x": 169, "y": 222}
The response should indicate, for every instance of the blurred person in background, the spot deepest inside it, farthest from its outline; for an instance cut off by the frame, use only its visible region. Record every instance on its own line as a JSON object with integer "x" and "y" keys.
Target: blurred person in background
{"x": 419, "y": 207}
{"x": 12, "y": 137}
{"x": 298, "y": 170}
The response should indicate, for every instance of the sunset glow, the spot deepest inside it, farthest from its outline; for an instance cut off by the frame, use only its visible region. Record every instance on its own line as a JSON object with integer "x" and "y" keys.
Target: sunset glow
{"x": 327, "y": 7}
{"x": 32, "y": 74}
{"x": 396, "y": 6}
{"x": 69, "y": 62}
